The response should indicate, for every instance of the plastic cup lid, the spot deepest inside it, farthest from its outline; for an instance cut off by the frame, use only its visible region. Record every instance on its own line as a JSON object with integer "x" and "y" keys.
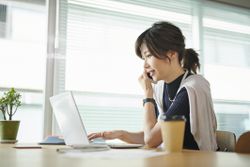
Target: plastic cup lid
{"x": 164, "y": 117}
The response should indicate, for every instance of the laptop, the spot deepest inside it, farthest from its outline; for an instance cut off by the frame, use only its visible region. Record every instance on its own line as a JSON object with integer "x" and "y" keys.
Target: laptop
{"x": 71, "y": 124}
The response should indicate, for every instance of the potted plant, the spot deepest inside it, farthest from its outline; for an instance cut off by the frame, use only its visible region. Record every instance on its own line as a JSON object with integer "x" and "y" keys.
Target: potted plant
{"x": 9, "y": 103}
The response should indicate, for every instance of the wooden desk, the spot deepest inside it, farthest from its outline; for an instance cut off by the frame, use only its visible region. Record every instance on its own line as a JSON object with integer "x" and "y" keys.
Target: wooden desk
{"x": 48, "y": 157}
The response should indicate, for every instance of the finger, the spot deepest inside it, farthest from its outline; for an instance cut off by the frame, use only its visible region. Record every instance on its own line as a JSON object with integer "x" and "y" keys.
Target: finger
{"x": 93, "y": 136}
{"x": 90, "y": 134}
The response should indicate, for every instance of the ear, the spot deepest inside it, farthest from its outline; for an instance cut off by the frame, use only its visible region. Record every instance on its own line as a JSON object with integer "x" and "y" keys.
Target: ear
{"x": 171, "y": 55}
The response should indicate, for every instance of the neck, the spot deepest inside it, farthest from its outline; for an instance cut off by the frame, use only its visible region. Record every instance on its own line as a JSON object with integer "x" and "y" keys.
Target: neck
{"x": 174, "y": 75}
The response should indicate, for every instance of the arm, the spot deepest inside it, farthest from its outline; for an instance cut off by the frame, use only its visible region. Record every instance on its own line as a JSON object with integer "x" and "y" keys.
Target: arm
{"x": 129, "y": 137}
{"x": 137, "y": 137}
{"x": 132, "y": 137}
{"x": 152, "y": 130}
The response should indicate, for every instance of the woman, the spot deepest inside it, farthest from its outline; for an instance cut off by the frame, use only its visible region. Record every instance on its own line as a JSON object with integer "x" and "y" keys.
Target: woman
{"x": 179, "y": 90}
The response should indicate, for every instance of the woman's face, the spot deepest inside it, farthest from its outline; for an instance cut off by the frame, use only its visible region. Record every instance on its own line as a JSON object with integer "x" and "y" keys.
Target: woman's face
{"x": 157, "y": 69}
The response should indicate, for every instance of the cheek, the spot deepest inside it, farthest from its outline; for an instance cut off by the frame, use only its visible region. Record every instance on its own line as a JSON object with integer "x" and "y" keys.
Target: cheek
{"x": 157, "y": 64}
{"x": 154, "y": 62}
{"x": 162, "y": 67}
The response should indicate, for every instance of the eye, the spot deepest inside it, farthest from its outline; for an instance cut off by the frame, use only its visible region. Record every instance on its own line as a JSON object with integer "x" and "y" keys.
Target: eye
{"x": 148, "y": 56}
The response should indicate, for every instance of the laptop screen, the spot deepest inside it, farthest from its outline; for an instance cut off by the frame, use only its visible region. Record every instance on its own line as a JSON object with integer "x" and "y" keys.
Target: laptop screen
{"x": 69, "y": 119}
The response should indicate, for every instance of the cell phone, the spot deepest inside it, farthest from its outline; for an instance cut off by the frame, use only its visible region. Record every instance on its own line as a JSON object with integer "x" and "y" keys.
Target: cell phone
{"x": 154, "y": 82}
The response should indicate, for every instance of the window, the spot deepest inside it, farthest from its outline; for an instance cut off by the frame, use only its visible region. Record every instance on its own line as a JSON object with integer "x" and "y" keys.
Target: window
{"x": 227, "y": 64}
{"x": 22, "y": 65}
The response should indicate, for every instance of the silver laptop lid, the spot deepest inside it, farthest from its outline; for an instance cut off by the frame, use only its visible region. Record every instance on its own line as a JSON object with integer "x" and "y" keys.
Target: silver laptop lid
{"x": 69, "y": 119}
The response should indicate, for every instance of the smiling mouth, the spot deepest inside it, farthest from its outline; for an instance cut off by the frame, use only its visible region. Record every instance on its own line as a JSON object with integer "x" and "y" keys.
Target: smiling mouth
{"x": 151, "y": 73}
{"x": 150, "y": 76}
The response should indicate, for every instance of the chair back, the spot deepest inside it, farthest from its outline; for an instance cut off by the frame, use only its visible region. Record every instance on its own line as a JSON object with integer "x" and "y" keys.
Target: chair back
{"x": 243, "y": 143}
{"x": 226, "y": 140}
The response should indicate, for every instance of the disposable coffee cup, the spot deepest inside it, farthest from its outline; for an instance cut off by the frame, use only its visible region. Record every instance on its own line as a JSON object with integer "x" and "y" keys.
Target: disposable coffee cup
{"x": 172, "y": 130}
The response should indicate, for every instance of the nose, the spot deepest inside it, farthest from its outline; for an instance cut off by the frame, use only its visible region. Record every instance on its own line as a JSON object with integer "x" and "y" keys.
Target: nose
{"x": 145, "y": 65}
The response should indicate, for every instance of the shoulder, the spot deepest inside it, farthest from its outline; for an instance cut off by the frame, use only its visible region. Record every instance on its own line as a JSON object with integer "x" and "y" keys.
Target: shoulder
{"x": 196, "y": 81}
{"x": 196, "y": 84}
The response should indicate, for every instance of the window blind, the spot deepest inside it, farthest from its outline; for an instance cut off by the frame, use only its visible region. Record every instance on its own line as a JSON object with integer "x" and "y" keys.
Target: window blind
{"x": 227, "y": 42}
{"x": 226, "y": 65}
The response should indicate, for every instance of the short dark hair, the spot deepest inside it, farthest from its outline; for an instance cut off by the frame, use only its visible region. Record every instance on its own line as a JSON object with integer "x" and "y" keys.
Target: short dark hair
{"x": 162, "y": 37}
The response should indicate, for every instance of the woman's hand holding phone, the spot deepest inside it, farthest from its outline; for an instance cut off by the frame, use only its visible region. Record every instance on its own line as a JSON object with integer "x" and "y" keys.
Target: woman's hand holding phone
{"x": 146, "y": 84}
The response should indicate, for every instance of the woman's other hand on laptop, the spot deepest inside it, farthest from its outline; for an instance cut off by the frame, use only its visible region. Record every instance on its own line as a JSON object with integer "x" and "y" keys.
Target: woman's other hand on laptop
{"x": 107, "y": 135}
